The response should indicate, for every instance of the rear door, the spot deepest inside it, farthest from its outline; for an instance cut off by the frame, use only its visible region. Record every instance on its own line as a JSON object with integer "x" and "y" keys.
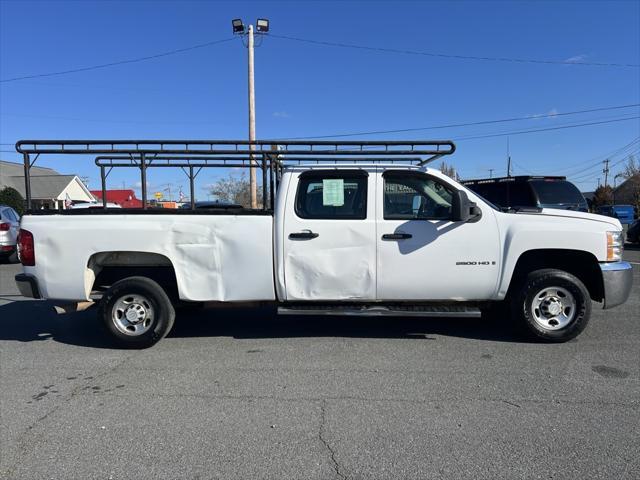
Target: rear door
{"x": 329, "y": 246}
{"x": 422, "y": 253}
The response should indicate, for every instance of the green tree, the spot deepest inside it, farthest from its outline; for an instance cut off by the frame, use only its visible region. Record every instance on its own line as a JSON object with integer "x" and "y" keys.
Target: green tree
{"x": 11, "y": 197}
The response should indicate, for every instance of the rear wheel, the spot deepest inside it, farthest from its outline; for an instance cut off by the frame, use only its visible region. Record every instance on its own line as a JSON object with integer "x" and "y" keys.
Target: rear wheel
{"x": 137, "y": 312}
{"x": 552, "y": 305}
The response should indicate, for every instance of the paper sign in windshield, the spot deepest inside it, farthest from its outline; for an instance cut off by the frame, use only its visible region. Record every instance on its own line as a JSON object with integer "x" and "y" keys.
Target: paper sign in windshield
{"x": 333, "y": 192}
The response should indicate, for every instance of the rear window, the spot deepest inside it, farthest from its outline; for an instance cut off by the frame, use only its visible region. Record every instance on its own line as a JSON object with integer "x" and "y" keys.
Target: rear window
{"x": 556, "y": 192}
{"x": 330, "y": 195}
{"x": 506, "y": 194}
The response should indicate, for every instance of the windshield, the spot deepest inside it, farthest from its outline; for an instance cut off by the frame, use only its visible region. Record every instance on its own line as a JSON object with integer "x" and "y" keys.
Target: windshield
{"x": 557, "y": 192}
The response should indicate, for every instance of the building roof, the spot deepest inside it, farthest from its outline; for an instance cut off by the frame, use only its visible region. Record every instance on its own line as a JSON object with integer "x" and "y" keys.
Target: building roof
{"x": 46, "y": 183}
{"x": 124, "y": 198}
{"x": 16, "y": 169}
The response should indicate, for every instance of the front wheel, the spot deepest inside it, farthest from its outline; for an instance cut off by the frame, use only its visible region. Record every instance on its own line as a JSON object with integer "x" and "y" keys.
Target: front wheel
{"x": 552, "y": 305}
{"x": 137, "y": 312}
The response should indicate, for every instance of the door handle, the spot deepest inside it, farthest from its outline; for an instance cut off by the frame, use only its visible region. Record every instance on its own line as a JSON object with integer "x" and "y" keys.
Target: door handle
{"x": 303, "y": 235}
{"x": 396, "y": 236}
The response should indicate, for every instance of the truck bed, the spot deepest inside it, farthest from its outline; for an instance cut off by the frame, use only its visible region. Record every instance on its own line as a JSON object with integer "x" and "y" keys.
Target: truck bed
{"x": 152, "y": 211}
{"x": 216, "y": 255}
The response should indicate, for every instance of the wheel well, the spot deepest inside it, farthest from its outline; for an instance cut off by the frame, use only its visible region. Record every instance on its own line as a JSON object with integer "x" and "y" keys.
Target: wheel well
{"x": 583, "y": 265}
{"x": 110, "y": 267}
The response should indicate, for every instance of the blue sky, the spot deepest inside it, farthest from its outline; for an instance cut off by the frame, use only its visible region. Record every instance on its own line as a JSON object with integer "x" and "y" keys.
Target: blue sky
{"x": 305, "y": 89}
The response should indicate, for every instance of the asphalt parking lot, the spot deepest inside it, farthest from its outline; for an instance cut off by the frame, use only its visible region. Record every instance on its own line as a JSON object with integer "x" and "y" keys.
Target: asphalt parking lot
{"x": 247, "y": 394}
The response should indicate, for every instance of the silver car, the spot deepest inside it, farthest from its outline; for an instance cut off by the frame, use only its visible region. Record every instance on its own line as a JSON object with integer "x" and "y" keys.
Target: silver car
{"x": 9, "y": 227}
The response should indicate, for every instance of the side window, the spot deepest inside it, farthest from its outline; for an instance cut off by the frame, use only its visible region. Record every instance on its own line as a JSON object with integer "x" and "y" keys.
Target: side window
{"x": 332, "y": 195}
{"x": 410, "y": 196}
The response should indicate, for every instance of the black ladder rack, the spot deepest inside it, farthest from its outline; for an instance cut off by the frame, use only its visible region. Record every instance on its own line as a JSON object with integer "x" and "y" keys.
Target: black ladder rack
{"x": 270, "y": 156}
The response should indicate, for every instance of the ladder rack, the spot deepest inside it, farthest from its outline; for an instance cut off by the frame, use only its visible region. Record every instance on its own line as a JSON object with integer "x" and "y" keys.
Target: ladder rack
{"x": 270, "y": 156}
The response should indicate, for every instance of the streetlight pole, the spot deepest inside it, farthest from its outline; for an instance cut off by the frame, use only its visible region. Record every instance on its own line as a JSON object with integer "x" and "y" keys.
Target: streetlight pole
{"x": 252, "y": 121}
{"x": 262, "y": 27}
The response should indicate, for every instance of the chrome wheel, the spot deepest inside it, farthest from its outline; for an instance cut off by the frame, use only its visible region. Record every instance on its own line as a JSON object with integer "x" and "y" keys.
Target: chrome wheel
{"x": 132, "y": 314}
{"x": 553, "y": 308}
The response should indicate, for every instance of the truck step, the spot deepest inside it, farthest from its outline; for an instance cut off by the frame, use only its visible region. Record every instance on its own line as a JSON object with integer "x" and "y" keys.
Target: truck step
{"x": 456, "y": 311}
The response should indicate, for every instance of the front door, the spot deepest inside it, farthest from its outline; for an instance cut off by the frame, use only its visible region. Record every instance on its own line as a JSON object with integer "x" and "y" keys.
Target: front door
{"x": 422, "y": 254}
{"x": 329, "y": 247}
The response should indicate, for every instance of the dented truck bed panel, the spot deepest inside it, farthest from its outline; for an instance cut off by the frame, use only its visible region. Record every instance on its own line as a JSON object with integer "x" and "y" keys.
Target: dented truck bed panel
{"x": 215, "y": 258}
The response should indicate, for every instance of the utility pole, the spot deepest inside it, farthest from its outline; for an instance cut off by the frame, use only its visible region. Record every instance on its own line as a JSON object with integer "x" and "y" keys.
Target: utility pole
{"x": 491, "y": 173}
{"x": 605, "y": 170}
{"x": 508, "y": 159}
{"x": 262, "y": 27}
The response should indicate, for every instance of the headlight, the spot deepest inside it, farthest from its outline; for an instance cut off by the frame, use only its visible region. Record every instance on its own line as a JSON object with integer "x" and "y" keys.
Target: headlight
{"x": 614, "y": 246}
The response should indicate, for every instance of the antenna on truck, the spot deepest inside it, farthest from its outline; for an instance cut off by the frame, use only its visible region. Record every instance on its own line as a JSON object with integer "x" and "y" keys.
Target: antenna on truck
{"x": 193, "y": 155}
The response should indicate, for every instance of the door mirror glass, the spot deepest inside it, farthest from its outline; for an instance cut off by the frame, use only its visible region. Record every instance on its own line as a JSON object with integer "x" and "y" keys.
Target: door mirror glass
{"x": 416, "y": 204}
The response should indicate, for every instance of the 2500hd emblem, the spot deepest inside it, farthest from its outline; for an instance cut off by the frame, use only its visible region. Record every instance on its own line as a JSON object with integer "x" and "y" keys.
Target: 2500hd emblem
{"x": 476, "y": 263}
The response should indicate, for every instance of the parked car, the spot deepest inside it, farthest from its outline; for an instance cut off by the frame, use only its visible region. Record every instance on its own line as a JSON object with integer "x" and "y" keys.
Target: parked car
{"x": 529, "y": 192}
{"x": 9, "y": 227}
{"x": 358, "y": 236}
{"x": 633, "y": 233}
{"x": 624, "y": 213}
{"x": 93, "y": 205}
{"x": 209, "y": 204}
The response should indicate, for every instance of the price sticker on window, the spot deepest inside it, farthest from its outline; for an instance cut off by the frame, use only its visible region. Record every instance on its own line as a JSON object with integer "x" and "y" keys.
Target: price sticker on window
{"x": 333, "y": 192}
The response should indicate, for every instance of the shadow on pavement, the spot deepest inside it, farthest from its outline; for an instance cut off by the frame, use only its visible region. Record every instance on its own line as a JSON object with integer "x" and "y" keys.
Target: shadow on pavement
{"x": 28, "y": 321}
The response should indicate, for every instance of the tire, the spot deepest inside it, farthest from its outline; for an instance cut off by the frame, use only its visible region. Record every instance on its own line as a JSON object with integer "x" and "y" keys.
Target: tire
{"x": 136, "y": 312}
{"x": 552, "y": 305}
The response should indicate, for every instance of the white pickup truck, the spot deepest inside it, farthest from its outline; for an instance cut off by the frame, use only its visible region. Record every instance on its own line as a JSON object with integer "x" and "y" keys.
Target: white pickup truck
{"x": 359, "y": 238}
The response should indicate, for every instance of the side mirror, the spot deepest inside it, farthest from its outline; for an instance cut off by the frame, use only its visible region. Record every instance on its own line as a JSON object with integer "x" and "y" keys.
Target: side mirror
{"x": 463, "y": 210}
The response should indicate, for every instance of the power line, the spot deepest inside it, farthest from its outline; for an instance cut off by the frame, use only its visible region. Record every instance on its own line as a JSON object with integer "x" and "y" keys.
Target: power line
{"x": 120, "y": 62}
{"x": 625, "y": 151}
{"x": 585, "y": 166}
{"x": 455, "y": 125}
{"x": 521, "y": 132}
{"x": 353, "y": 134}
{"x": 598, "y": 158}
{"x": 593, "y": 175}
{"x": 457, "y": 57}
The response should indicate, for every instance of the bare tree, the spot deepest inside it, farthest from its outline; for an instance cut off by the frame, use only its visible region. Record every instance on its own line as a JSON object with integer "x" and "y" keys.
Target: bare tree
{"x": 631, "y": 168}
{"x": 234, "y": 188}
{"x": 449, "y": 170}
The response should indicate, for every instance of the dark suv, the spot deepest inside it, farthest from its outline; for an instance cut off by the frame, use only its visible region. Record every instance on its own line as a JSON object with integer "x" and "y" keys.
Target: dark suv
{"x": 529, "y": 192}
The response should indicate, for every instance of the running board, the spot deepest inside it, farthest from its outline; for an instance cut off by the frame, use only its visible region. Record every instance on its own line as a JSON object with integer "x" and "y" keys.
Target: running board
{"x": 453, "y": 311}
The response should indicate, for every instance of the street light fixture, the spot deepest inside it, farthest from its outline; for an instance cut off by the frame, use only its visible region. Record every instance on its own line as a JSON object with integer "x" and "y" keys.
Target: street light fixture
{"x": 238, "y": 26}
{"x": 262, "y": 25}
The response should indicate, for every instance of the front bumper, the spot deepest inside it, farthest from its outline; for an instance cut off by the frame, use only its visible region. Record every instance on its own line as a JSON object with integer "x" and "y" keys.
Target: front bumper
{"x": 28, "y": 285}
{"x": 617, "y": 278}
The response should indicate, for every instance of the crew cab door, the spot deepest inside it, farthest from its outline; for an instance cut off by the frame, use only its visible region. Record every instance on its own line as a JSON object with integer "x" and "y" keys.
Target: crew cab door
{"x": 329, "y": 231}
{"x": 422, "y": 254}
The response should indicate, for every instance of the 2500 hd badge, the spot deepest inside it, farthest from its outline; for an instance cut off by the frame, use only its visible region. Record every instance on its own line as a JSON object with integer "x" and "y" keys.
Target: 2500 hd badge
{"x": 476, "y": 263}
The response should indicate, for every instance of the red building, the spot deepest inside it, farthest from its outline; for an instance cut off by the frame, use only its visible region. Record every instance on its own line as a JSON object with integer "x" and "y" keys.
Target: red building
{"x": 124, "y": 198}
